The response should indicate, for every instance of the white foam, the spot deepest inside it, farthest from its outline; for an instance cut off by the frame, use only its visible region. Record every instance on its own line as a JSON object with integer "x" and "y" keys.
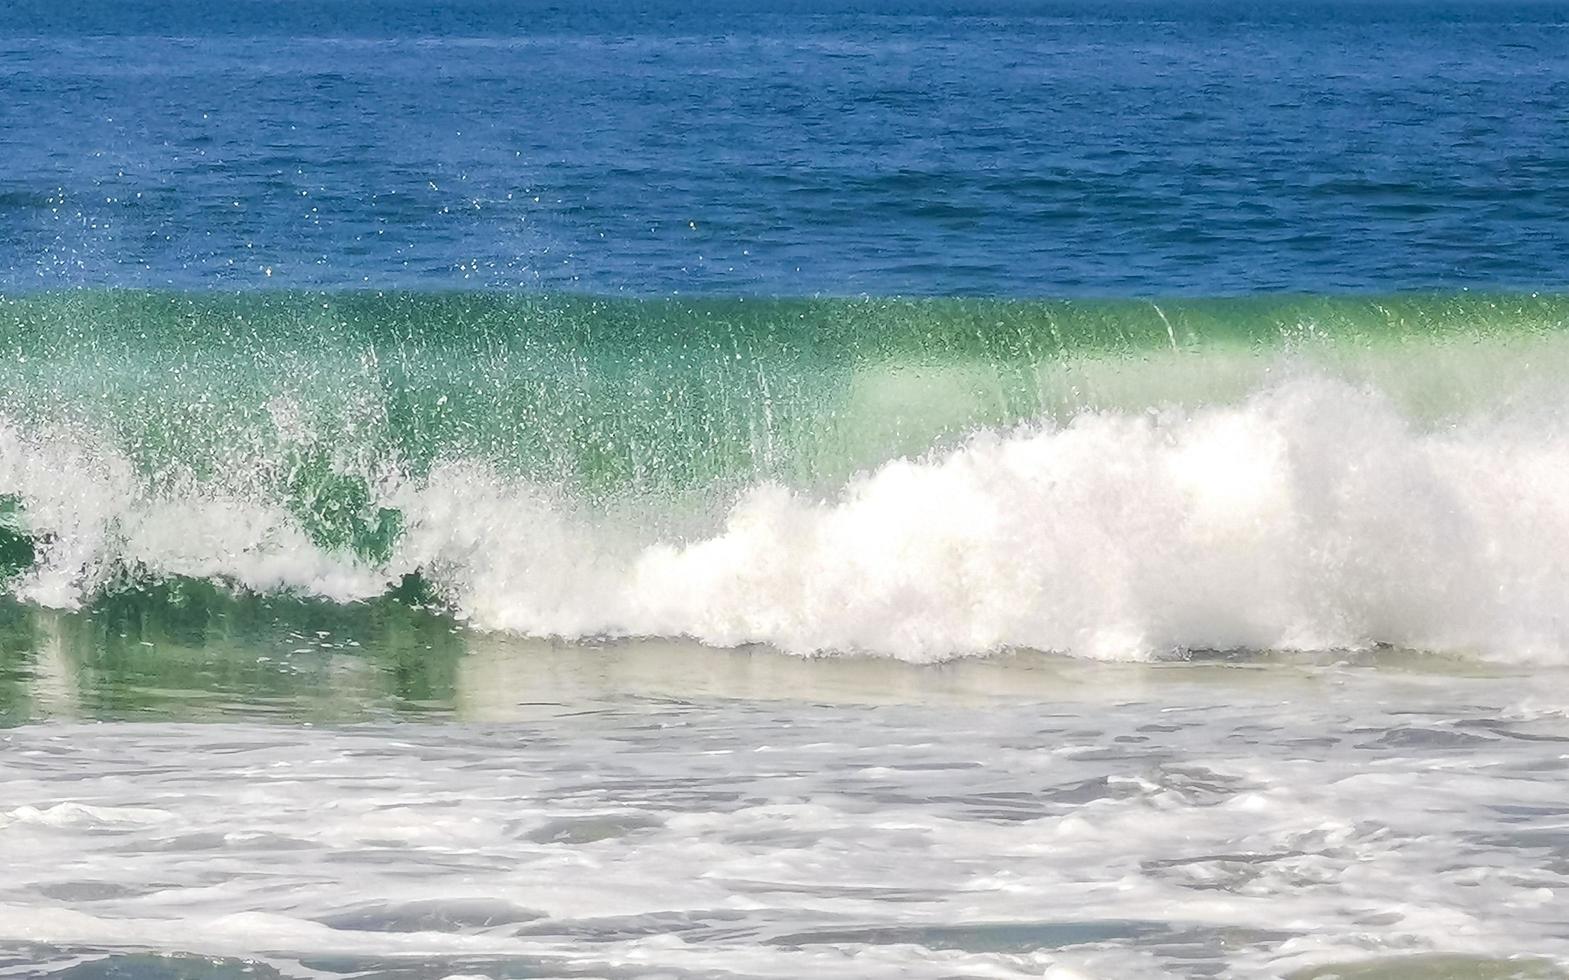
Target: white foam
{"x": 1208, "y": 824}
{"x": 1312, "y": 515}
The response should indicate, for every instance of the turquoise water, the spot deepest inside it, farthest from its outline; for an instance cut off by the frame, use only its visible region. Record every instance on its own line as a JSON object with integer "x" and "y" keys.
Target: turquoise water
{"x": 642, "y": 395}
{"x": 549, "y": 465}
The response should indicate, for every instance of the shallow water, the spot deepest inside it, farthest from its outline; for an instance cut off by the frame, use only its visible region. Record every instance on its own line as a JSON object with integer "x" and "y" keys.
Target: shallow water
{"x": 373, "y": 792}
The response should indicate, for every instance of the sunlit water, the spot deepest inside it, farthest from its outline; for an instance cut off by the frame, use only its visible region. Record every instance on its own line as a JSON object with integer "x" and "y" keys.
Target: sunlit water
{"x": 933, "y": 147}
{"x": 477, "y": 498}
{"x": 309, "y": 793}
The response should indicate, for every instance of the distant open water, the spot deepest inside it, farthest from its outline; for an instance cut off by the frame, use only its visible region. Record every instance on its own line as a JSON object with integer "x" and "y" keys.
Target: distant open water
{"x": 933, "y": 148}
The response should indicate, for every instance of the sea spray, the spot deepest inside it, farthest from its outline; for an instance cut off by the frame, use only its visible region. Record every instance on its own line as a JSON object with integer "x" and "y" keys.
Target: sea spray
{"x": 913, "y": 479}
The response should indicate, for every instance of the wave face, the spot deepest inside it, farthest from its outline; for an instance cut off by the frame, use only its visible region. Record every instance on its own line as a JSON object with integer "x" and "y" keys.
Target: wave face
{"x": 920, "y": 479}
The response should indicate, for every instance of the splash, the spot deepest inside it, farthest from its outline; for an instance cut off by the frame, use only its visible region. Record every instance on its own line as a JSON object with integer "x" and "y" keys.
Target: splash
{"x": 1312, "y": 515}
{"x": 917, "y": 480}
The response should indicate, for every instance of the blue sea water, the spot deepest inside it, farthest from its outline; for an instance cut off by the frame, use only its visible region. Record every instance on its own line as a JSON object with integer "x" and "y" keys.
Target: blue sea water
{"x": 970, "y": 147}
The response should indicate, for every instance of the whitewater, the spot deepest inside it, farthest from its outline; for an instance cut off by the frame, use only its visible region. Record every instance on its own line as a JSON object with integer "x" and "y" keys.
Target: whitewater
{"x": 1310, "y": 516}
{"x": 428, "y": 635}
{"x": 1292, "y": 485}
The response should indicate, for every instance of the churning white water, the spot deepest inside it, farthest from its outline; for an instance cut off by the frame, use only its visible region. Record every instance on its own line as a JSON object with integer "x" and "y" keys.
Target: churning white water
{"x": 668, "y": 811}
{"x": 1313, "y": 515}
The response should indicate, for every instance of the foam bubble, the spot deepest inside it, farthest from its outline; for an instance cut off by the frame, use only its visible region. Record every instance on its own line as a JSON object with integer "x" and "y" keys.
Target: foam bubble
{"x": 1312, "y": 515}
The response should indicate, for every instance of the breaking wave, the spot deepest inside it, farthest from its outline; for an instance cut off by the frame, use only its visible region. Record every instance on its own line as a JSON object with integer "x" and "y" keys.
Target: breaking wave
{"x": 920, "y": 480}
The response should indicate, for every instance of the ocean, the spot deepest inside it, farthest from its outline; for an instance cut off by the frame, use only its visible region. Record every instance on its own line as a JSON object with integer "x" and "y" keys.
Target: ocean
{"x": 985, "y": 488}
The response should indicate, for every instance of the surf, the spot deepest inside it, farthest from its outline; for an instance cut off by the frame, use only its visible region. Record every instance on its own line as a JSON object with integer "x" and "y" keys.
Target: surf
{"x": 919, "y": 479}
